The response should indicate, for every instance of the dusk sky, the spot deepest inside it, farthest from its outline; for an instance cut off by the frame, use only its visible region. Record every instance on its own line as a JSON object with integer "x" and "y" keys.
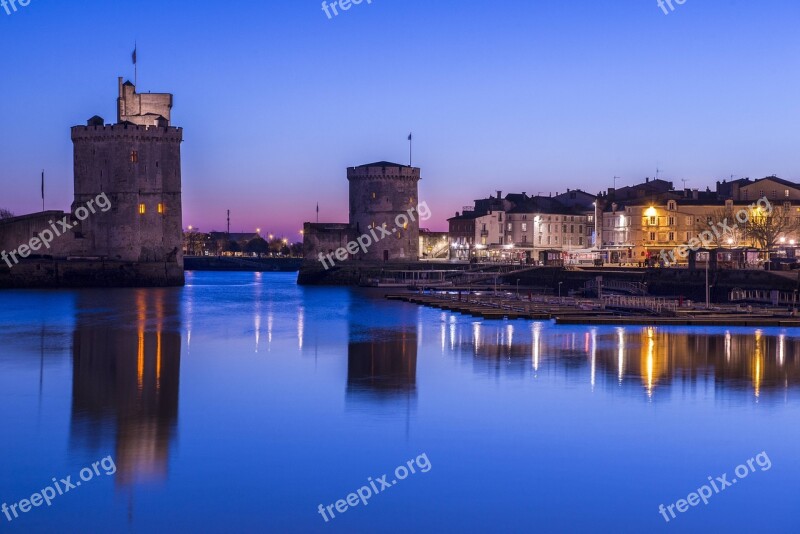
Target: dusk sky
{"x": 276, "y": 100}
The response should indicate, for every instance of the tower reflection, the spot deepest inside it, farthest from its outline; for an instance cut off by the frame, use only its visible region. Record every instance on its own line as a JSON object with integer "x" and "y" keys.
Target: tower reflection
{"x": 126, "y": 374}
{"x": 382, "y": 364}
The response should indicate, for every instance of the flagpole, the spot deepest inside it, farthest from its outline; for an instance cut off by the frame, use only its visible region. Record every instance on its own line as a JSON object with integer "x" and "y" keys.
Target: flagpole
{"x": 42, "y": 190}
{"x": 135, "y": 66}
{"x": 410, "y": 142}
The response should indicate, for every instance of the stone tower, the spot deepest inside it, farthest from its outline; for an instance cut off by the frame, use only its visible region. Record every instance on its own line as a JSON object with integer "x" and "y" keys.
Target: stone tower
{"x": 137, "y": 164}
{"x": 379, "y": 194}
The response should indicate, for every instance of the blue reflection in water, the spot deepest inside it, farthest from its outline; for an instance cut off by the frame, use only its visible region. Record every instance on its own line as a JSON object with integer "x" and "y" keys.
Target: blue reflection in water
{"x": 241, "y": 402}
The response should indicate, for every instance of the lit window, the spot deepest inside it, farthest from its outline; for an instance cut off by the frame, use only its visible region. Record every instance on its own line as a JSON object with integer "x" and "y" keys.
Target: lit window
{"x": 373, "y": 194}
{"x": 134, "y": 156}
{"x": 160, "y": 208}
{"x": 142, "y": 209}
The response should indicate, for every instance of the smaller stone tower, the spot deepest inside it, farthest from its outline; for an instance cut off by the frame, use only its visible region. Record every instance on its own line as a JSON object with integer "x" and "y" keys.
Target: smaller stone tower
{"x": 380, "y": 193}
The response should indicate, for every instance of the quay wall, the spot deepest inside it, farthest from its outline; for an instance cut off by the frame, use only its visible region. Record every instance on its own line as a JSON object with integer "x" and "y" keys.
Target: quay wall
{"x": 44, "y": 273}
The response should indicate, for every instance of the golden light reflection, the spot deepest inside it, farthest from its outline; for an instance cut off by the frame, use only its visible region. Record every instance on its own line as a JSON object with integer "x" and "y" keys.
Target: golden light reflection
{"x": 758, "y": 363}
{"x": 141, "y": 318}
{"x": 476, "y": 335}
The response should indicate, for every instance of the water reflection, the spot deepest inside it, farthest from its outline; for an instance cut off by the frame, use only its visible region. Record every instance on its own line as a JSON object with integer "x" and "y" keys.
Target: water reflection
{"x": 126, "y": 377}
{"x": 653, "y": 359}
{"x": 382, "y": 365}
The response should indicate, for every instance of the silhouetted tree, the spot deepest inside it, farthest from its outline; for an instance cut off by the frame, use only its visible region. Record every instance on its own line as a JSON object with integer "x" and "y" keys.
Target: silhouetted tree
{"x": 257, "y": 246}
{"x": 5, "y": 214}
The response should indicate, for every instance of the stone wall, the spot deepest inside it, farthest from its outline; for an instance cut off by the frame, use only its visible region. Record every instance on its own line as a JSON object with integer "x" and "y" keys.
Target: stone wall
{"x": 19, "y": 231}
{"x": 62, "y": 273}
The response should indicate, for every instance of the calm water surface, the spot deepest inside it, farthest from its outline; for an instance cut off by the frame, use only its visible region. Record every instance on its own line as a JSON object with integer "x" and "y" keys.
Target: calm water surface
{"x": 242, "y": 402}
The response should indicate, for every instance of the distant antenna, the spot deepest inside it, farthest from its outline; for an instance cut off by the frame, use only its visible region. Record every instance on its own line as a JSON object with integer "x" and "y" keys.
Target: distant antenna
{"x": 684, "y": 180}
{"x": 229, "y": 224}
{"x": 615, "y": 182}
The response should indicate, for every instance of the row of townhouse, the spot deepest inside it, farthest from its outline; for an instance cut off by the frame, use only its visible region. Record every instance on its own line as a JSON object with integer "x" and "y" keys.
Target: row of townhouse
{"x": 633, "y": 224}
{"x": 521, "y": 227}
{"x": 640, "y": 222}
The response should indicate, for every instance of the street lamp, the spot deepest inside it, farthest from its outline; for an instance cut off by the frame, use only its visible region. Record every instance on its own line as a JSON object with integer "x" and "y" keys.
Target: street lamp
{"x": 559, "y": 290}
{"x": 517, "y": 288}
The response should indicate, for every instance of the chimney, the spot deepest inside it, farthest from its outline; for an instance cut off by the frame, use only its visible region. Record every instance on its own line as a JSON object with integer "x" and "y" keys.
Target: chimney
{"x": 499, "y": 194}
{"x": 647, "y": 180}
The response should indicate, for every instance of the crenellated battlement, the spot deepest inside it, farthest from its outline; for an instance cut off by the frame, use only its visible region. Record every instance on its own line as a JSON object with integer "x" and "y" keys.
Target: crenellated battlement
{"x": 127, "y": 131}
{"x": 383, "y": 170}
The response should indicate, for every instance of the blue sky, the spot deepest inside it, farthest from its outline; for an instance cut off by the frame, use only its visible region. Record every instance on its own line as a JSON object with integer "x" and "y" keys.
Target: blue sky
{"x": 276, "y": 100}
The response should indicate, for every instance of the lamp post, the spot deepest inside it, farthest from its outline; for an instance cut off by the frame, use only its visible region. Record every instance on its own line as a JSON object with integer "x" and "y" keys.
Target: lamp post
{"x": 559, "y": 290}
{"x": 517, "y": 288}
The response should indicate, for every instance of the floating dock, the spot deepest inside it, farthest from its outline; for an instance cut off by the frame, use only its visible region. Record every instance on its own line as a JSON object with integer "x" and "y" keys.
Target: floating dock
{"x": 573, "y": 311}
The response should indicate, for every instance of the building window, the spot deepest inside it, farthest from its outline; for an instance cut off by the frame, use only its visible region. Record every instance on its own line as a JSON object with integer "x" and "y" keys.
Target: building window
{"x": 161, "y": 208}
{"x": 672, "y": 222}
{"x": 672, "y": 236}
{"x": 373, "y": 195}
{"x": 652, "y": 221}
{"x": 524, "y": 239}
{"x": 786, "y": 193}
{"x": 652, "y": 236}
{"x": 510, "y": 227}
{"x": 524, "y": 227}
{"x": 580, "y": 241}
{"x": 142, "y": 209}
{"x": 134, "y": 156}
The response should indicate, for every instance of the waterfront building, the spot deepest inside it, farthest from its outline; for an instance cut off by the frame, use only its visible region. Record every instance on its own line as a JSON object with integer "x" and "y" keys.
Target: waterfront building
{"x": 520, "y": 227}
{"x": 641, "y": 221}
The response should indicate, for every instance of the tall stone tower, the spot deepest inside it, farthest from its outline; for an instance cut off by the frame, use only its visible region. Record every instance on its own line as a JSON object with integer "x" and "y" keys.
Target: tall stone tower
{"x": 379, "y": 194}
{"x": 137, "y": 164}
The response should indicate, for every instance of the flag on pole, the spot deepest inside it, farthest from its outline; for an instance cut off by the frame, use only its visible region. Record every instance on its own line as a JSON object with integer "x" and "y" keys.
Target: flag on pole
{"x": 133, "y": 56}
{"x": 409, "y": 137}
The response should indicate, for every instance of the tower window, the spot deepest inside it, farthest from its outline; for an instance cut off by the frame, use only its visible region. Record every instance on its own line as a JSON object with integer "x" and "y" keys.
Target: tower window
{"x": 142, "y": 209}
{"x": 373, "y": 195}
{"x": 134, "y": 156}
{"x": 161, "y": 208}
